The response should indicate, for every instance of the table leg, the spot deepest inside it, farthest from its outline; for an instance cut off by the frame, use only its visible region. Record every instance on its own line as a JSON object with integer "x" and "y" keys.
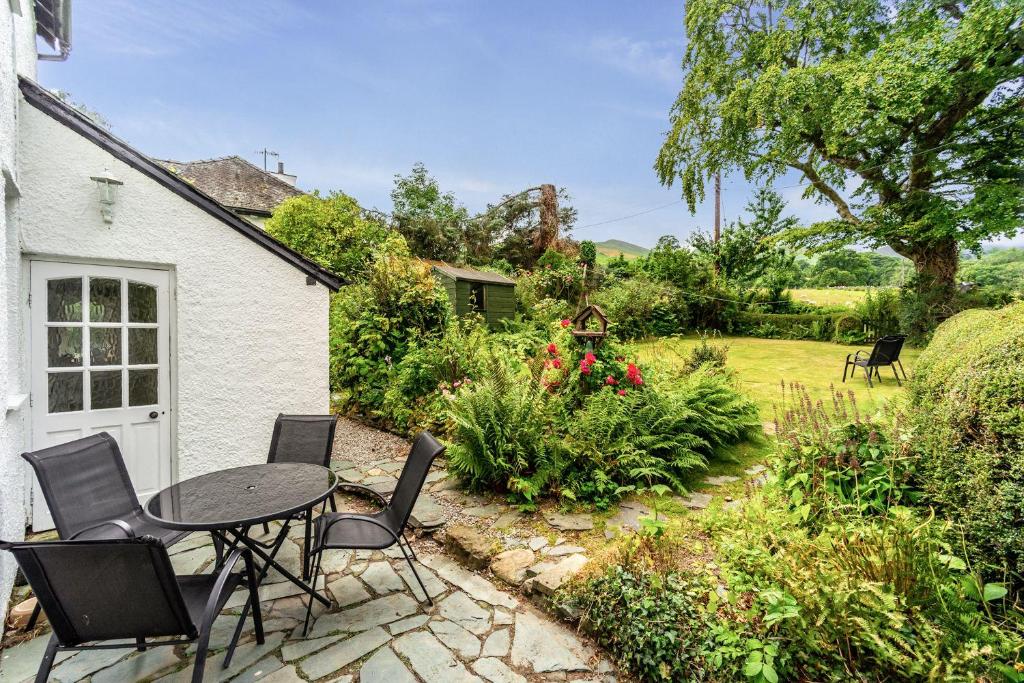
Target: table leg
{"x": 268, "y": 562}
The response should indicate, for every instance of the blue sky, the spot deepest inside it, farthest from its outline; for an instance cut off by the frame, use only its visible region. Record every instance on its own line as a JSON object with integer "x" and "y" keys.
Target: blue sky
{"x": 493, "y": 97}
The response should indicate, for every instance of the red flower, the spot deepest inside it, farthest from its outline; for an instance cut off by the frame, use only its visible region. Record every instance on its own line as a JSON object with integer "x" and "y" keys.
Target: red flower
{"x": 566, "y": 322}
{"x": 556, "y": 363}
{"x": 552, "y": 349}
{"x": 621, "y": 392}
{"x": 638, "y": 380}
{"x": 590, "y": 358}
{"x": 611, "y": 381}
{"x": 584, "y": 367}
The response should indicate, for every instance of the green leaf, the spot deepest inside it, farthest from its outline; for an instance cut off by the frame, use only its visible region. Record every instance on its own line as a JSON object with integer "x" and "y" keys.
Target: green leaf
{"x": 768, "y": 671}
{"x": 993, "y": 591}
{"x": 753, "y": 668}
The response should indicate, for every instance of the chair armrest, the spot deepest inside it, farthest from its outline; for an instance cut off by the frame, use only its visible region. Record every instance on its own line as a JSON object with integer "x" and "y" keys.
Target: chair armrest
{"x": 121, "y": 524}
{"x": 856, "y": 356}
{"x": 348, "y": 517}
{"x": 363, "y": 487}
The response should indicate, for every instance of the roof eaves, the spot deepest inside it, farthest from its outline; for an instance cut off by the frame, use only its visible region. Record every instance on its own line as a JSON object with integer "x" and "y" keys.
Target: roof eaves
{"x": 38, "y": 97}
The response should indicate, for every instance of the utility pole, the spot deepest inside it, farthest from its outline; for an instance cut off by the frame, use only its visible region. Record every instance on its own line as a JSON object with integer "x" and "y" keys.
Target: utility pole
{"x": 718, "y": 206}
{"x": 266, "y": 153}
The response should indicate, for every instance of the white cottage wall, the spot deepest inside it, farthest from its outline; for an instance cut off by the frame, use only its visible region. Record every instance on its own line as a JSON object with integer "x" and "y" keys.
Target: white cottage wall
{"x": 251, "y": 335}
{"x": 17, "y": 56}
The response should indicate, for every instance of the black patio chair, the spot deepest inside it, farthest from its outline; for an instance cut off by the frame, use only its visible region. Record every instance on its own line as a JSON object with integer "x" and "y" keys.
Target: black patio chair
{"x": 102, "y": 590}
{"x": 383, "y": 529}
{"x": 886, "y": 352}
{"x": 90, "y": 496}
{"x": 303, "y": 439}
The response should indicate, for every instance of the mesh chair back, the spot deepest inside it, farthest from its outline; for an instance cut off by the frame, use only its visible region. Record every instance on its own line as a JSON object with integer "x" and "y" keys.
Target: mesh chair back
{"x": 303, "y": 438}
{"x": 84, "y": 482}
{"x": 407, "y": 490}
{"x": 887, "y": 350}
{"x": 102, "y": 590}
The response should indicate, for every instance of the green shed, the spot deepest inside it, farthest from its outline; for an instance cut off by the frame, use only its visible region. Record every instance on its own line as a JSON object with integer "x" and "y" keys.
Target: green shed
{"x": 489, "y": 294}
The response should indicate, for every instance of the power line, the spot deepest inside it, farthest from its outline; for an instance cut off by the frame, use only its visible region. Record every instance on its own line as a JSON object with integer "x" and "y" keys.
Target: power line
{"x": 632, "y": 215}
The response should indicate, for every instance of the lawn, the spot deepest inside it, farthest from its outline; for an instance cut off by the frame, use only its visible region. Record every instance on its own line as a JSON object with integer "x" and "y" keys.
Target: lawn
{"x": 761, "y": 365}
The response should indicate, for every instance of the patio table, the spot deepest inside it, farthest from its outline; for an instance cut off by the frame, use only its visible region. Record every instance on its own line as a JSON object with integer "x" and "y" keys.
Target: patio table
{"x": 228, "y": 502}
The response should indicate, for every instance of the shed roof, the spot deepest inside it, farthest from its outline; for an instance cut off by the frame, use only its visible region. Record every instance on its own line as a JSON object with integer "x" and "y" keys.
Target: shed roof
{"x": 62, "y": 113}
{"x": 234, "y": 182}
{"x": 472, "y": 275}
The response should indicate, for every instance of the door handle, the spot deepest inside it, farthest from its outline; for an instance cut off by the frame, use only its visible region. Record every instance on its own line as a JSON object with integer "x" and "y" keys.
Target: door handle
{"x": 153, "y": 415}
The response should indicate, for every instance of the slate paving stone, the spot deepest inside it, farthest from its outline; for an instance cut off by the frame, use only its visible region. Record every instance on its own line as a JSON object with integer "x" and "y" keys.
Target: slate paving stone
{"x": 264, "y": 670}
{"x": 475, "y": 586}
{"x": 502, "y": 617}
{"x": 409, "y": 624}
{"x": 497, "y": 643}
{"x": 21, "y": 662}
{"x": 382, "y": 578}
{"x": 343, "y": 653}
{"x": 436, "y": 475}
{"x": 552, "y": 579}
{"x": 431, "y": 660}
{"x": 458, "y": 607}
{"x": 510, "y": 566}
{"x": 755, "y": 469}
{"x": 496, "y": 671}
{"x": 536, "y": 543}
{"x": 366, "y": 616}
{"x": 695, "y": 501}
{"x": 385, "y": 667}
{"x": 720, "y": 480}
{"x": 300, "y": 647}
{"x": 570, "y": 522}
{"x": 507, "y": 520}
{"x": 628, "y": 516}
{"x": 351, "y": 475}
{"x": 482, "y": 511}
{"x": 285, "y": 674}
{"x": 434, "y": 585}
{"x": 456, "y": 638}
{"x": 562, "y": 550}
{"x": 427, "y": 513}
{"x": 348, "y": 590}
{"x": 140, "y": 666}
{"x": 192, "y": 561}
{"x": 542, "y": 646}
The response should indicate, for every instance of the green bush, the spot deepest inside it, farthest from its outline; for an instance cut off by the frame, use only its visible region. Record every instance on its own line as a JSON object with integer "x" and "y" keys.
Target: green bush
{"x": 707, "y": 355}
{"x": 500, "y": 438}
{"x": 639, "y": 308}
{"x": 967, "y": 402}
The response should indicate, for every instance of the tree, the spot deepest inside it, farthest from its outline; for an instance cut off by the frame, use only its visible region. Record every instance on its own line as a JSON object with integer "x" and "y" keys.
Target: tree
{"x": 906, "y": 115}
{"x": 512, "y": 229}
{"x": 431, "y": 221}
{"x": 748, "y": 253}
{"x": 332, "y": 231}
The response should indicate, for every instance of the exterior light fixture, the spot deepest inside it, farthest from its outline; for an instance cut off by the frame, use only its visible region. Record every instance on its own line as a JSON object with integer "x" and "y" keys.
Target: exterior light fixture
{"x": 107, "y": 185}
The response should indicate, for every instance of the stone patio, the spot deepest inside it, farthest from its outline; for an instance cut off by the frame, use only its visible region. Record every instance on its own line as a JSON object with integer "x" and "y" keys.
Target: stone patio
{"x": 376, "y": 630}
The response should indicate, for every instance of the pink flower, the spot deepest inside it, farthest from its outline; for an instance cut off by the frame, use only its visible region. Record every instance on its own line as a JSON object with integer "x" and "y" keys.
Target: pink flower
{"x": 566, "y": 322}
{"x": 611, "y": 381}
{"x": 621, "y": 392}
{"x": 556, "y": 363}
{"x": 584, "y": 367}
{"x": 637, "y": 380}
{"x": 590, "y": 358}
{"x": 552, "y": 349}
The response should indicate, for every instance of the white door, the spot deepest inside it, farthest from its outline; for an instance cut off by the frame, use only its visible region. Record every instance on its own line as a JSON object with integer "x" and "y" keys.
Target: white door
{"x": 100, "y": 346}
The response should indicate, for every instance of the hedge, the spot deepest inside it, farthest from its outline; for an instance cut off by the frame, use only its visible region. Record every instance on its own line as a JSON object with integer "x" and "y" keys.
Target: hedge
{"x": 967, "y": 404}
{"x": 820, "y": 326}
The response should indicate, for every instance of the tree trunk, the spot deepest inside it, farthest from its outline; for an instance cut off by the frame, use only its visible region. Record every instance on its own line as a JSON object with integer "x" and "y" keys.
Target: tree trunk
{"x": 936, "y": 264}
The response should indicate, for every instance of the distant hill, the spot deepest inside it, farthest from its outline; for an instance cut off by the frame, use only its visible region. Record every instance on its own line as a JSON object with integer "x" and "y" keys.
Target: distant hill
{"x": 612, "y": 248}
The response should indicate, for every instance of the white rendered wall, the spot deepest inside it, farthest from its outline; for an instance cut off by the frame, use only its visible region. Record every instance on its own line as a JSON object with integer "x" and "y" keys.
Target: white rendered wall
{"x": 251, "y": 335}
{"x": 17, "y": 56}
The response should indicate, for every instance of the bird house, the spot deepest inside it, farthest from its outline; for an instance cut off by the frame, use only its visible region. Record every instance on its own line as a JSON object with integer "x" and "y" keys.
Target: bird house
{"x": 590, "y": 325}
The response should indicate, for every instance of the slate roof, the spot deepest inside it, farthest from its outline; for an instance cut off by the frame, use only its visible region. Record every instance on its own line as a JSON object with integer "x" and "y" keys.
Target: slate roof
{"x": 234, "y": 182}
{"x": 472, "y": 275}
{"x": 67, "y": 116}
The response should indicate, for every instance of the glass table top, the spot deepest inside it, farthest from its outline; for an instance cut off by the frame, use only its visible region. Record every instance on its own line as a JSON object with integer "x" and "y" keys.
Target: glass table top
{"x": 241, "y": 496}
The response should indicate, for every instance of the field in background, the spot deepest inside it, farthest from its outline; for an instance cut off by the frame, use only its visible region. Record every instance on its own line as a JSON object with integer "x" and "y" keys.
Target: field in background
{"x": 829, "y": 296}
{"x": 610, "y": 249}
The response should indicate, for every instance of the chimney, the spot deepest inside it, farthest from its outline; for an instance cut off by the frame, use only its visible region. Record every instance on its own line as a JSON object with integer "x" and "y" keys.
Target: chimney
{"x": 281, "y": 175}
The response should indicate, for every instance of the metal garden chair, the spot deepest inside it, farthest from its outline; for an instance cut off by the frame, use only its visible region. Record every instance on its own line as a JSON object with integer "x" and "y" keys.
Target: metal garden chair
{"x": 886, "y": 352}
{"x": 304, "y": 439}
{"x": 90, "y": 496}
{"x": 344, "y": 530}
{"x": 101, "y": 590}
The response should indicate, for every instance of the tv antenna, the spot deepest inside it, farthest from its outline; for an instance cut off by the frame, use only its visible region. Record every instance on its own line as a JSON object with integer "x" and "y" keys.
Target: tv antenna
{"x": 266, "y": 153}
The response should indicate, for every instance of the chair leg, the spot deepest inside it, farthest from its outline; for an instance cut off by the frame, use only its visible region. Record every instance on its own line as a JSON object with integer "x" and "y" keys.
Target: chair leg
{"x": 34, "y": 617}
{"x": 309, "y": 598}
{"x": 305, "y": 545}
{"x": 218, "y": 549}
{"x": 409, "y": 546}
{"x": 140, "y": 644}
{"x": 254, "y": 595}
{"x": 416, "y": 574}
{"x": 334, "y": 505}
{"x": 266, "y": 529}
{"x": 48, "y": 656}
{"x": 845, "y": 368}
{"x": 896, "y": 374}
{"x": 869, "y": 372}
{"x": 901, "y": 368}
{"x": 199, "y": 665}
